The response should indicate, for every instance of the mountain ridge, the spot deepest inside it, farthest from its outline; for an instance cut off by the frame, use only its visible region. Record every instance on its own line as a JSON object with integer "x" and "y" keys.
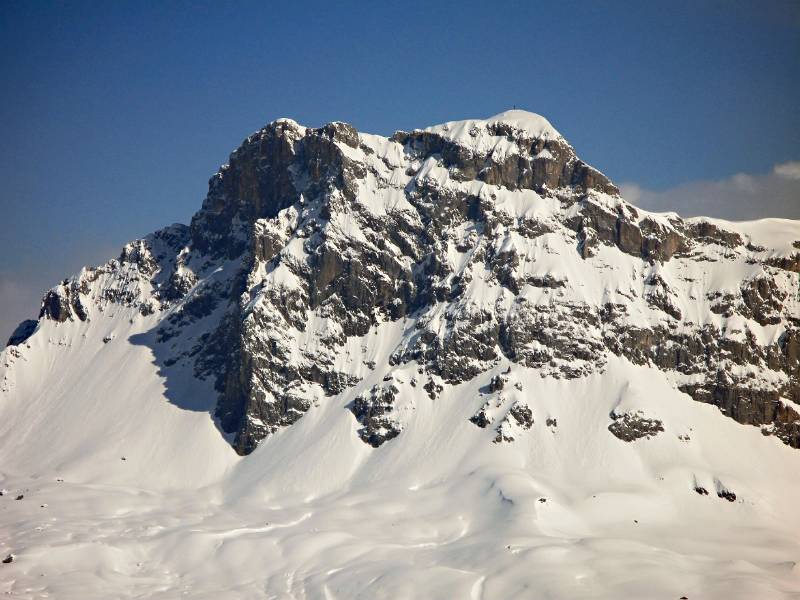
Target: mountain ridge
{"x": 437, "y": 364}
{"x": 462, "y": 166}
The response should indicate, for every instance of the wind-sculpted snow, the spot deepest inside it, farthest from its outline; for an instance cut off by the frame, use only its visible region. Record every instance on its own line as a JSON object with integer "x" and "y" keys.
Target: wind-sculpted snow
{"x": 468, "y": 311}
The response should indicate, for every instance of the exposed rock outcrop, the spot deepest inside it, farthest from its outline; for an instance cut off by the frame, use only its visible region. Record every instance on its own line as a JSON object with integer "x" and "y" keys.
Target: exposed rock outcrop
{"x": 374, "y": 411}
{"x": 488, "y": 241}
{"x": 630, "y": 427}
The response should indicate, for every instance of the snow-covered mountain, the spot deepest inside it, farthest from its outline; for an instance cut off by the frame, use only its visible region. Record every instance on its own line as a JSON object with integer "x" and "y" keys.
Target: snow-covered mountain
{"x": 450, "y": 363}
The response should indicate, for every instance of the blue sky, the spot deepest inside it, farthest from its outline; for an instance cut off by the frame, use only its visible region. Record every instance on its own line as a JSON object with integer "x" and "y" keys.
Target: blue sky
{"x": 114, "y": 115}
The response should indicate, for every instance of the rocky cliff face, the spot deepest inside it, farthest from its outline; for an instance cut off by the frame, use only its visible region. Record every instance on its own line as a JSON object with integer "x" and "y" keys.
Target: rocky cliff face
{"x": 319, "y": 253}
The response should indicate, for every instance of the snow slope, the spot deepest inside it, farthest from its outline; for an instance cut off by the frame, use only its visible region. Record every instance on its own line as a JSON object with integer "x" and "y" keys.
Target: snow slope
{"x": 314, "y": 513}
{"x": 131, "y": 490}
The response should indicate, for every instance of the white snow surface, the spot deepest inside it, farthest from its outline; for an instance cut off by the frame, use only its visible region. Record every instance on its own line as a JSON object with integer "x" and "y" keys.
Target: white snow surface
{"x": 564, "y": 512}
{"x": 536, "y": 126}
{"x": 476, "y": 134}
{"x": 128, "y": 495}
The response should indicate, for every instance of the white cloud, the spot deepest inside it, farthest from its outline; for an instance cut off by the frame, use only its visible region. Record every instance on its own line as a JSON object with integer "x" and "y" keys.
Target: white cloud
{"x": 788, "y": 170}
{"x": 741, "y": 197}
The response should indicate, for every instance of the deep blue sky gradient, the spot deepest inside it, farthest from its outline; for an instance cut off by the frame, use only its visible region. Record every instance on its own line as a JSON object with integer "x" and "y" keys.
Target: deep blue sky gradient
{"x": 114, "y": 115}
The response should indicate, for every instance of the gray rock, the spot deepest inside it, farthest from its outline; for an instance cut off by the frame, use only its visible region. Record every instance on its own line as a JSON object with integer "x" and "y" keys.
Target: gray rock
{"x": 633, "y": 426}
{"x": 292, "y": 187}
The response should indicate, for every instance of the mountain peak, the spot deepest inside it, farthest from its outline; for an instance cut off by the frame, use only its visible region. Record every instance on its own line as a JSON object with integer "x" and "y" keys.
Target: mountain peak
{"x": 326, "y": 234}
{"x": 460, "y": 340}
{"x": 531, "y": 124}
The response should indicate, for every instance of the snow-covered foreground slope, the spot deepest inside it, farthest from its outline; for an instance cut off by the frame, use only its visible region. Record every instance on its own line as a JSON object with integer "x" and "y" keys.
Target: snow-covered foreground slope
{"x": 566, "y": 511}
{"x": 458, "y": 373}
